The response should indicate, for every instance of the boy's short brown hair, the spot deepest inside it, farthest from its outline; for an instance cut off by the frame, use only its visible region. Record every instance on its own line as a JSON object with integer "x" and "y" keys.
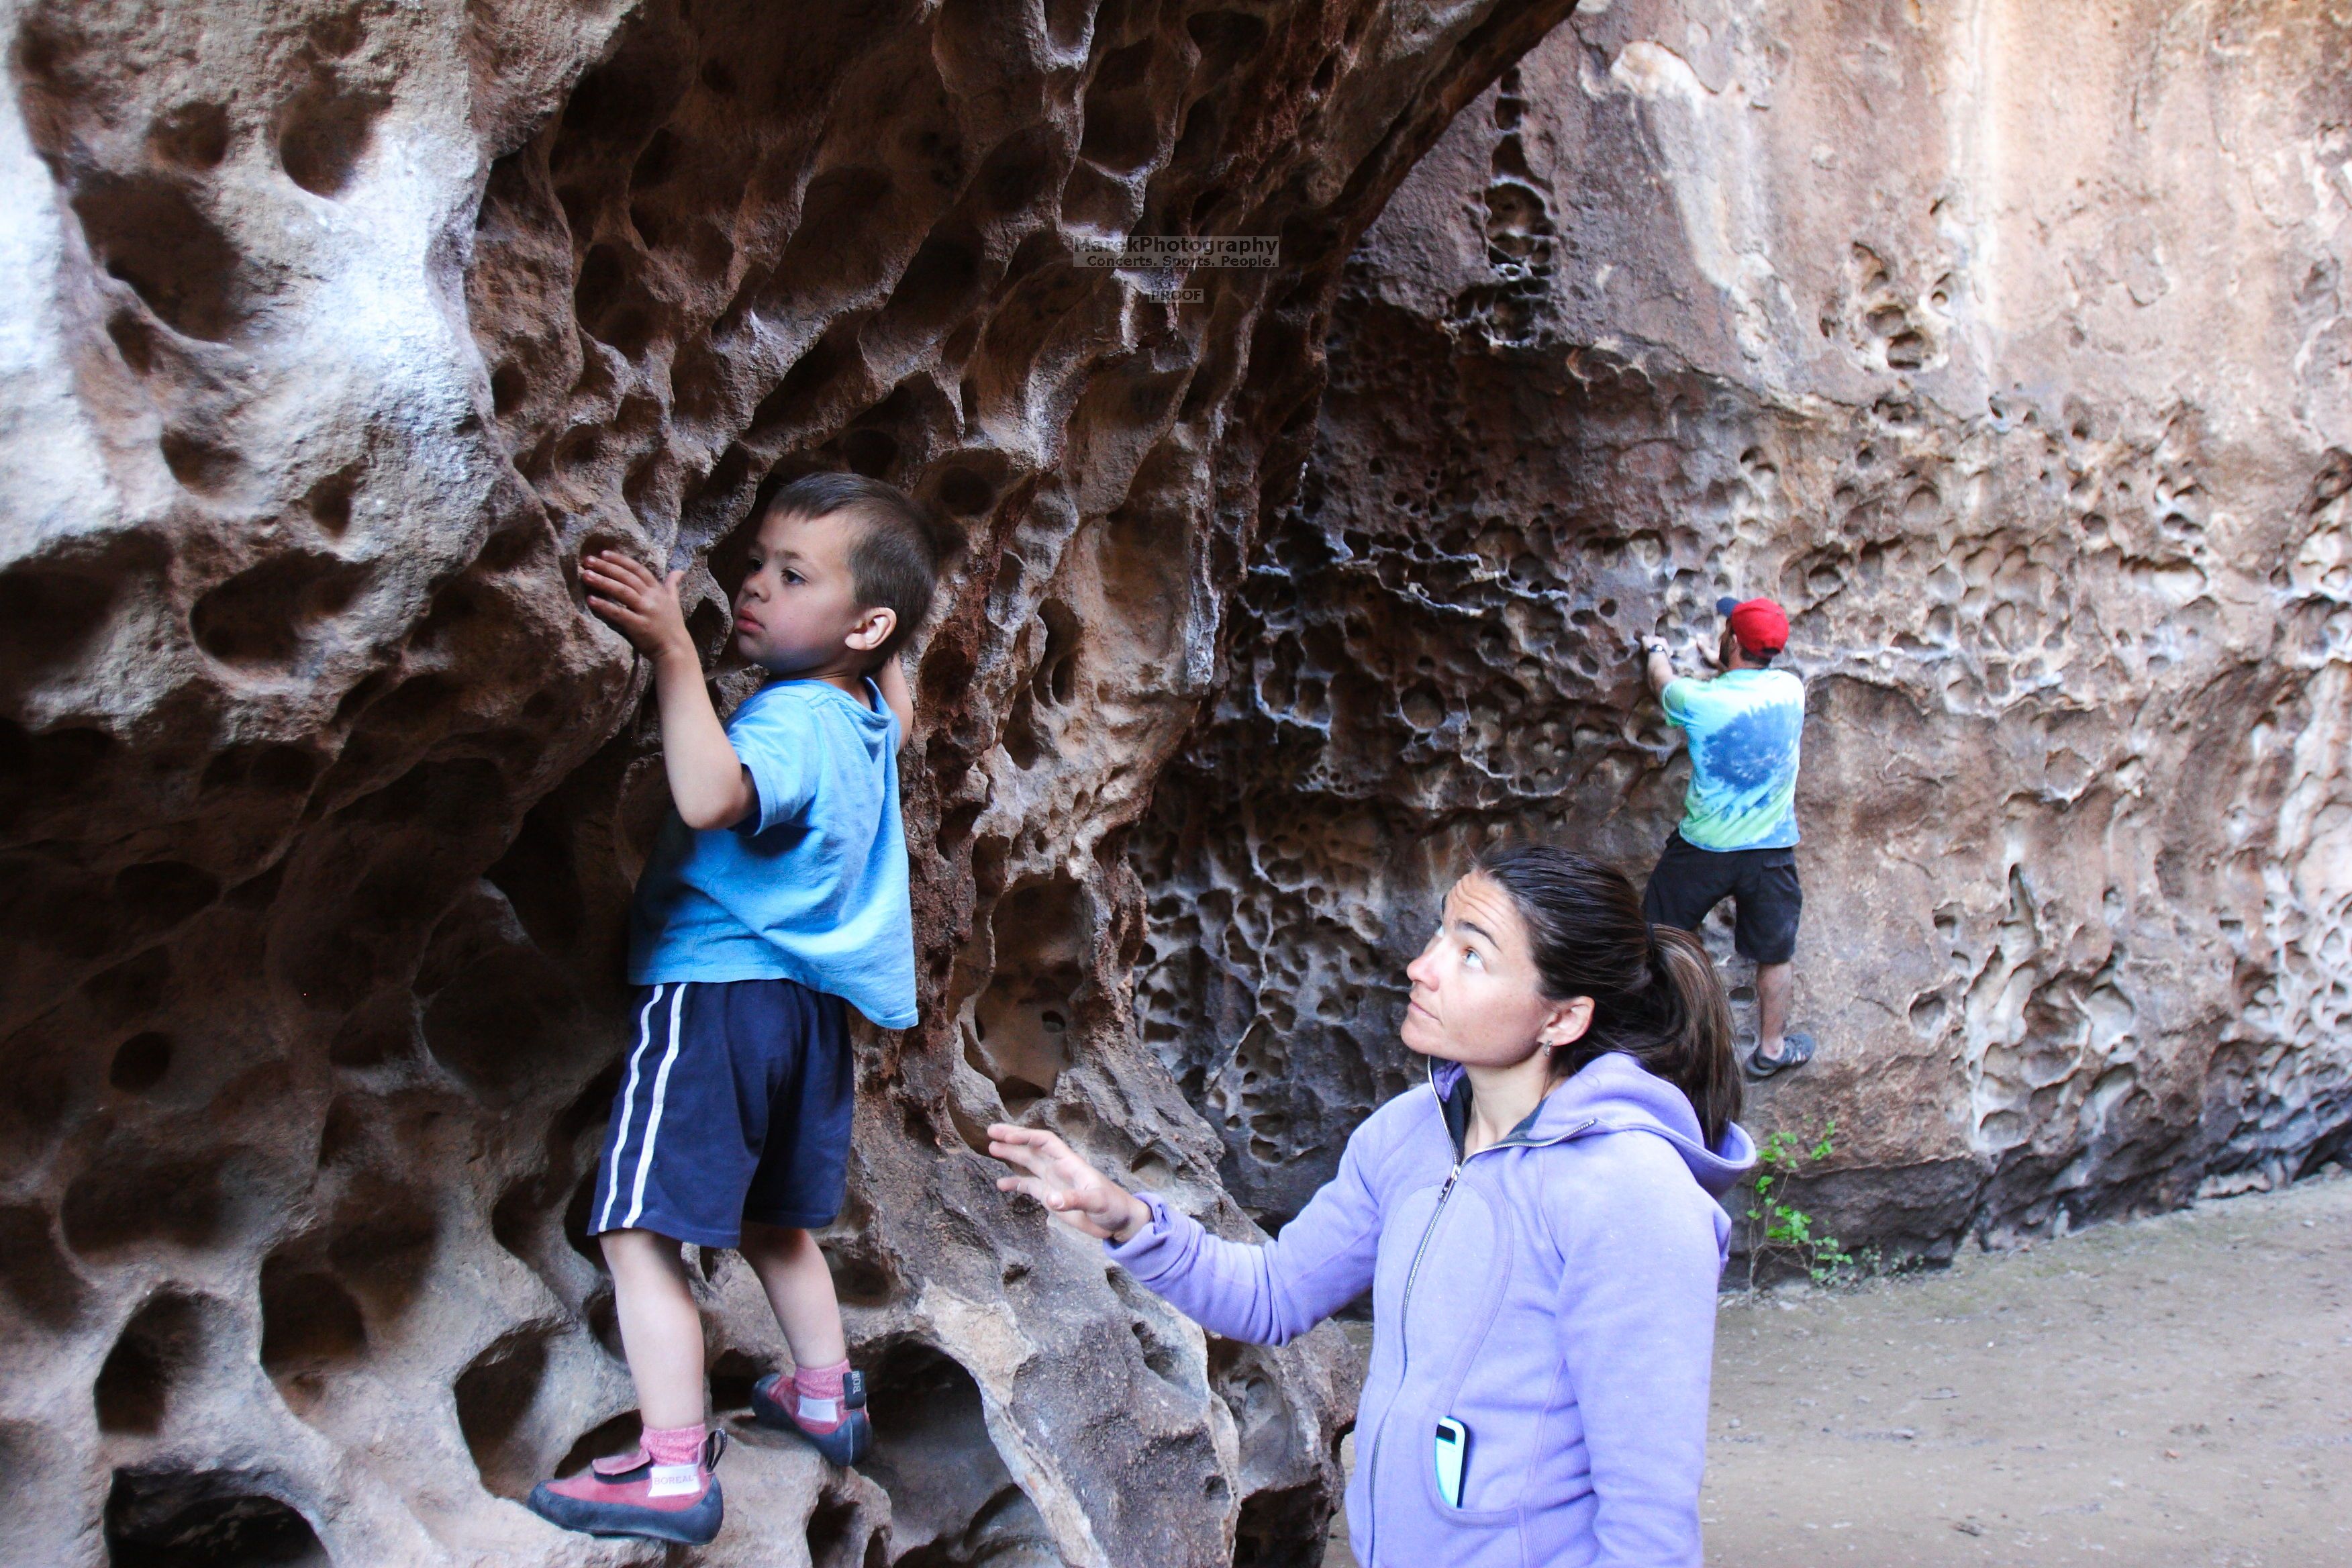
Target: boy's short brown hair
{"x": 894, "y": 561}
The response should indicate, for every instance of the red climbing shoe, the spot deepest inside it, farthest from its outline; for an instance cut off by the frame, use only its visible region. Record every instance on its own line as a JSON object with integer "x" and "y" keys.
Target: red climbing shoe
{"x": 844, "y": 1443}
{"x": 623, "y": 1496}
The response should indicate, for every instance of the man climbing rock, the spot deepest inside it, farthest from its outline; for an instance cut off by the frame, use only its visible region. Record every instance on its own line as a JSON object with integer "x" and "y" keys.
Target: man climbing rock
{"x": 1738, "y": 831}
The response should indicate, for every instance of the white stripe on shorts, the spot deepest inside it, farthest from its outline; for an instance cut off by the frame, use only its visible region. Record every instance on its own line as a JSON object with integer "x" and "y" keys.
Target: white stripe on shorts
{"x": 653, "y": 1122}
{"x": 628, "y": 1107}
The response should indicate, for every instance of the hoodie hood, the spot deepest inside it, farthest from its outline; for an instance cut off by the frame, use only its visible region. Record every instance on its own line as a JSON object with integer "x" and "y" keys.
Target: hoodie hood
{"x": 1611, "y": 1093}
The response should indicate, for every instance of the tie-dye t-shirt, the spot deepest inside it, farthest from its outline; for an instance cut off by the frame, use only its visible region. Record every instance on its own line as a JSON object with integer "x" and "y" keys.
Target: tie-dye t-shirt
{"x": 1743, "y": 727}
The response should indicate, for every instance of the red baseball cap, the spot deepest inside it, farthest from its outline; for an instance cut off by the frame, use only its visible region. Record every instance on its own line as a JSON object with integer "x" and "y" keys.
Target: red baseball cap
{"x": 1762, "y": 625}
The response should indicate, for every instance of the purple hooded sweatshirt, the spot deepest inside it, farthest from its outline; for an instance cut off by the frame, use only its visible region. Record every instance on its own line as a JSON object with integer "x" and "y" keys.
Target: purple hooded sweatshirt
{"x": 1555, "y": 1293}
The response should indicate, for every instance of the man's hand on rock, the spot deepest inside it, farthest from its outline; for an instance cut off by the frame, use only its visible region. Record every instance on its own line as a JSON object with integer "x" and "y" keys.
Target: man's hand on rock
{"x": 1076, "y": 1192}
{"x": 644, "y": 606}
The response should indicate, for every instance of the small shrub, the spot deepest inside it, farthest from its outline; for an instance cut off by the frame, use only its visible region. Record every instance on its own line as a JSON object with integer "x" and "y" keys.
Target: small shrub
{"x": 1776, "y": 1225}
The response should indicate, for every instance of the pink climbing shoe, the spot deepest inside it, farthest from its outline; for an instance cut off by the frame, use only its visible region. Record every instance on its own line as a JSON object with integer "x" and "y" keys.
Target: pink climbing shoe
{"x": 850, "y": 1437}
{"x": 629, "y": 1495}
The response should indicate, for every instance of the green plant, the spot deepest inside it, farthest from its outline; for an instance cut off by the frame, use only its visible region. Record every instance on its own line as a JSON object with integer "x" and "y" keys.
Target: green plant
{"x": 1775, "y": 1224}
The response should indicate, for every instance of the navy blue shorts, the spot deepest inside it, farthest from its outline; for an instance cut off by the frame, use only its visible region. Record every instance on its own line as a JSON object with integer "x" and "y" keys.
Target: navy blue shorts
{"x": 734, "y": 1105}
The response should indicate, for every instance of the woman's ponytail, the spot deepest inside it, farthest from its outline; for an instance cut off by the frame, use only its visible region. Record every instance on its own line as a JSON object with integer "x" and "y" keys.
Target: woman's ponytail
{"x": 1693, "y": 1013}
{"x": 1655, "y": 994}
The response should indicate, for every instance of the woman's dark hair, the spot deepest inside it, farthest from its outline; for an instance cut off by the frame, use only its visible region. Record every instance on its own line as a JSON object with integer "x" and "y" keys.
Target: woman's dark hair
{"x": 1654, "y": 992}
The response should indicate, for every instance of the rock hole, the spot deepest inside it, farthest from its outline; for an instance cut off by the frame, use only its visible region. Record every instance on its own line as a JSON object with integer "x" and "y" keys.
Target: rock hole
{"x": 493, "y": 1396}
{"x": 194, "y": 136}
{"x": 869, "y": 452}
{"x": 132, "y": 341}
{"x": 1022, "y": 1040}
{"x": 337, "y": 35}
{"x": 654, "y": 164}
{"x": 1017, "y": 172}
{"x": 1281, "y": 1527}
{"x": 1122, "y": 126}
{"x": 149, "y": 233}
{"x": 842, "y": 1534}
{"x": 385, "y": 1236}
{"x": 508, "y": 388}
{"x": 48, "y": 618}
{"x": 503, "y": 1021}
{"x": 734, "y": 1371}
{"x": 260, "y": 618}
{"x": 612, "y": 307}
{"x": 952, "y": 1501}
{"x": 1055, "y": 679}
{"x": 938, "y": 284}
{"x": 162, "y": 894}
{"x": 324, "y": 134}
{"x": 618, "y": 1435}
{"x": 964, "y": 493}
{"x": 132, "y": 989}
{"x": 1069, "y": 23}
{"x": 863, "y": 1275}
{"x": 1157, "y": 1353}
{"x": 34, "y": 1273}
{"x": 310, "y": 1328}
{"x": 158, "y": 1346}
{"x": 141, "y": 1062}
{"x": 199, "y": 465}
{"x": 383, "y": 1031}
{"x": 272, "y": 769}
{"x": 329, "y": 500}
{"x": 120, "y": 1203}
{"x": 1227, "y": 39}
{"x": 1927, "y": 1014}
{"x": 206, "y": 1519}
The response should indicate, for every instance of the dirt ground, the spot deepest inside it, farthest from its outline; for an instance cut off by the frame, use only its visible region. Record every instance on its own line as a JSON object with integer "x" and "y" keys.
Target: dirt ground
{"x": 2174, "y": 1391}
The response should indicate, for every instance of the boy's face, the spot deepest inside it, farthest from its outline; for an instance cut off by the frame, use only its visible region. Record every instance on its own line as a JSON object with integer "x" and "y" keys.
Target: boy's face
{"x": 797, "y": 612}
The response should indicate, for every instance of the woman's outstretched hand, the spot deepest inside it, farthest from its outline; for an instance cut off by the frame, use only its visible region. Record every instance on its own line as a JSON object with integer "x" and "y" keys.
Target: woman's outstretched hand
{"x": 1079, "y": 1194}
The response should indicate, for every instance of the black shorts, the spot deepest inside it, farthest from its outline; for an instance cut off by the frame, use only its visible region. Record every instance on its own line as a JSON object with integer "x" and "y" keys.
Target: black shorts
{"x": 734, "y": 1105}
{"x": 1761, "y": 884}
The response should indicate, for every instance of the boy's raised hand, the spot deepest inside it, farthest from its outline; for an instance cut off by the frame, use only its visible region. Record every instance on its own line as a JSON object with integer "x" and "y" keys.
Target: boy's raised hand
{"x": 1080, "y": 1196}
{"x": 644, "y": 606}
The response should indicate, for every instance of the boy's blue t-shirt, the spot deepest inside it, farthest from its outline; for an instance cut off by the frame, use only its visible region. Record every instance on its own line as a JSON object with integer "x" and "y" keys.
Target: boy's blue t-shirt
{"x": 812, "y": 886}
{"x": 1744, "y": 727}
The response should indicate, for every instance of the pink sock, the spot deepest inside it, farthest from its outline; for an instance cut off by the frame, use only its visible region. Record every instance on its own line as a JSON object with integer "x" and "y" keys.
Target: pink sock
{"x": 819, "y": 1391}
{"x": 676, "y": 1445}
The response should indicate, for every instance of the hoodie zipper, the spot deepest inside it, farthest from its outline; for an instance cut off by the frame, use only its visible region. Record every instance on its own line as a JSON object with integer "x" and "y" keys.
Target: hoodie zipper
{"x": 1412, "y": 1272}
{"x": 1404, "y": 1342}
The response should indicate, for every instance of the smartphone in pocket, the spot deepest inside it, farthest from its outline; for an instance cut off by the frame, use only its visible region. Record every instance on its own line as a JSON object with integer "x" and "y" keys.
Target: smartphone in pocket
{"x": 1453, "y": 1447}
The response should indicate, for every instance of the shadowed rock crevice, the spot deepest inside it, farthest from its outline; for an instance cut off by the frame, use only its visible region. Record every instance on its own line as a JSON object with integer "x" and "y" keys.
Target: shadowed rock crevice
{"x": 164, "y": 1519}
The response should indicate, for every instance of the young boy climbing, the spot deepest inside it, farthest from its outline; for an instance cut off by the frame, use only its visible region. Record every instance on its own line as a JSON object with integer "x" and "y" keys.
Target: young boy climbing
{"x": 775, "y": 897}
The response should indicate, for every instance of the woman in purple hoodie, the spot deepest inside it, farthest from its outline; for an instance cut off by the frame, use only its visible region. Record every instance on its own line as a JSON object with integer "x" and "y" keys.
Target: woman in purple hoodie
{"x": 1538, "y": 1227}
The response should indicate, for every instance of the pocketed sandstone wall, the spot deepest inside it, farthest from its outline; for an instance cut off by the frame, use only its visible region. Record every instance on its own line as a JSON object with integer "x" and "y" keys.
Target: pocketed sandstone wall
{"x": 2008, "y": 348}
{"x": 334, "y": 333}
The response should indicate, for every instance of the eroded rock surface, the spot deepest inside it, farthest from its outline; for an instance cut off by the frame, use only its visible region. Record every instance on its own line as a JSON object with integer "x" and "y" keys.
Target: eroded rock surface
{"x": 2010, "y": 350}
{"x": 335, "y": 332}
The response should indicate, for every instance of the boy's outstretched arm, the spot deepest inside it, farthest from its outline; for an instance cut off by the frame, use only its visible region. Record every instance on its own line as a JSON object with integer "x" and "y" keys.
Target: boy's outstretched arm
{"x": 892, "y": 678}
{"x": 707, "y": 779}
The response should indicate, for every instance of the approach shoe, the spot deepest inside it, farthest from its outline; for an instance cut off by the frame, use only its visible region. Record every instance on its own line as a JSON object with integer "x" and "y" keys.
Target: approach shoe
{"x": 624, "y": 1496}
{"x": 845, "y": 1443}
